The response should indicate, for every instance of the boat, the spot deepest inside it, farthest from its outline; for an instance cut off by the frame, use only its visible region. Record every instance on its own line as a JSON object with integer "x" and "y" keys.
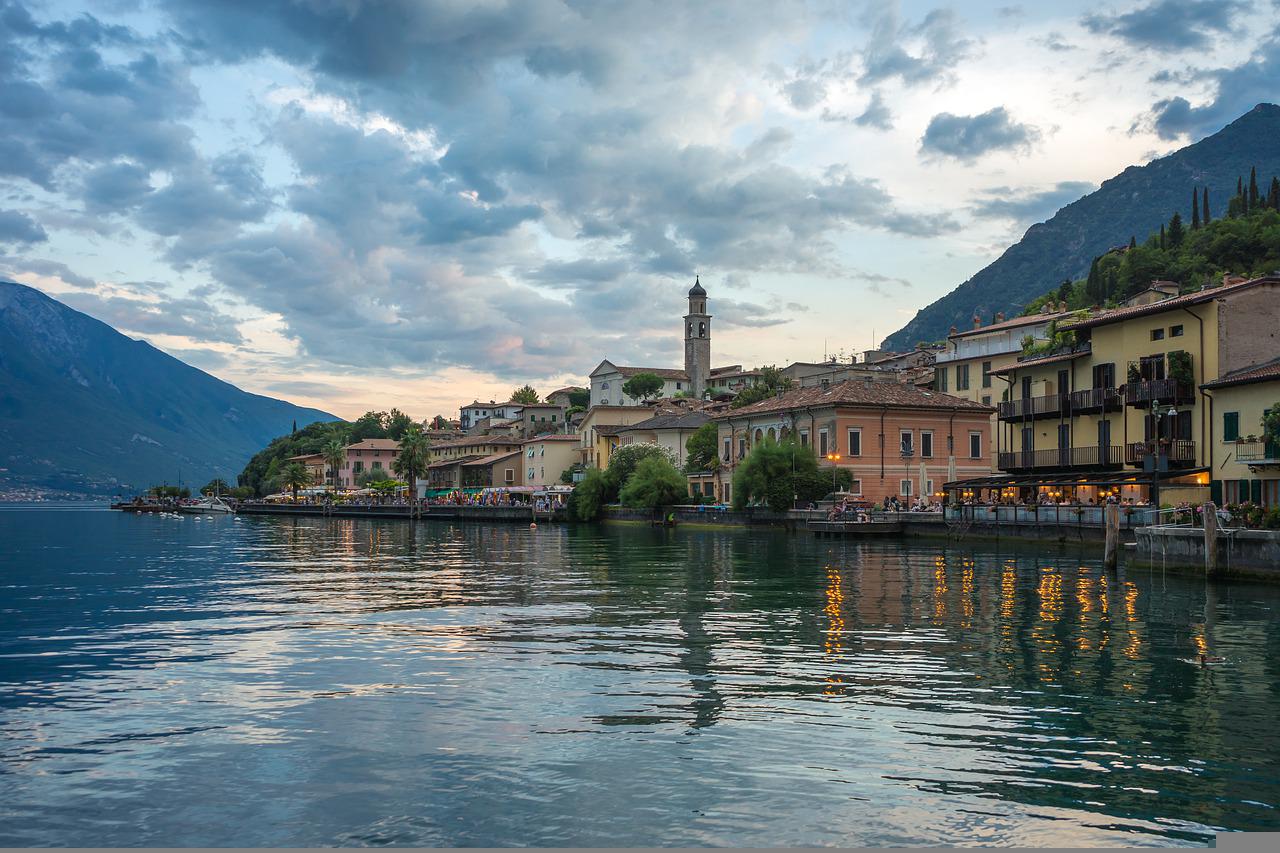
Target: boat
{"x": 212, "y": 505}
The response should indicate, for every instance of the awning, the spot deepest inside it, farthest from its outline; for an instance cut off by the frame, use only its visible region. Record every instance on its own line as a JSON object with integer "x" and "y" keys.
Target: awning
{"x": 1071, "y": 478}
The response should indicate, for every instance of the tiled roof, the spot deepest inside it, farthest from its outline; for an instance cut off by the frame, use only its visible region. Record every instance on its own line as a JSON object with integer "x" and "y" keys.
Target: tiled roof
{"x": 375, "y": 444}
{"x": 671, "y": 420}
{"x": 473, "y": 440}
{"x": 1267, "y": 372}
{"x": 1011, "y": 323}
{"x": 728, "y": 368}
{"x": 304, "y": 457}
{"x": 1036, "y": 362}
{"x": 445, "y": 463}
{"x": 609, "y": 429}
{"x": 858, "y": 392}
{"x": 1115, "y": 315}
{"x": 567, "y": 389}
{"x": 553, "y": 437}
{"x": 489, "y": 460}
{"x": 661, "y": 372}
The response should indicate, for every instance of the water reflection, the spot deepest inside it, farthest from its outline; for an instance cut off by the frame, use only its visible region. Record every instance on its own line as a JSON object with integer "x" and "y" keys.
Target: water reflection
{"x": 433, "y": 684}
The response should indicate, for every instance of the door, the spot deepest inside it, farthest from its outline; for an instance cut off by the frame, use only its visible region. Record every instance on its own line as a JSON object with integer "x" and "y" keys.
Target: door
{"x": 1028, "y": 446}
{"x": 1104, "y": 442}
{"x": 1064, "y": 382}
{"x": 1026, "y": 387}
{"x": 1064, "y": 444}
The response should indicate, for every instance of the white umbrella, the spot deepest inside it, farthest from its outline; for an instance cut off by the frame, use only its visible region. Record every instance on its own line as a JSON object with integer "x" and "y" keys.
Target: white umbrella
{"x": 924, "y": 481}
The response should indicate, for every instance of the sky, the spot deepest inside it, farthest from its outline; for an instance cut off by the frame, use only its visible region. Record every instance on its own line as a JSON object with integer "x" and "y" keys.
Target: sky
{"x": 412, "y": 204}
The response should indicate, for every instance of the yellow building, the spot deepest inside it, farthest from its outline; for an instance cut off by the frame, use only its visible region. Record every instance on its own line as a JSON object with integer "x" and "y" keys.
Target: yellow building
{"x": 598, "y": 432}
{"x": 1120, "y": 409}
{"x": 1244, "y": 464}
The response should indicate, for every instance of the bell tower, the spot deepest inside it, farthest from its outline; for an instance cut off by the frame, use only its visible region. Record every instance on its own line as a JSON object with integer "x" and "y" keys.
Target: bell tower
{"x": 697, "y": 340}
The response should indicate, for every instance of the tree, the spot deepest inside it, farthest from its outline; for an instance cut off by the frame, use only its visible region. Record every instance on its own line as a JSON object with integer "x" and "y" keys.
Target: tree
{"x": 439, "y": 422}
{"x": 1275, "y": 193}
{"x": 1064, "y": 290}
{"x": 627, "y": 458}
{"x": 654, "y": 483}
{"x": 1094, "y": 284}
{"x": 1162, "y": 237}
{"x": 411, "y": 462}
{"x": 1195, "y": 208}
{"x": 770, "y": 381}
{"x": 369, "y": 425}
{"x": 589, "y": 496}
{"x": 397, "y": 423}
{"x": 701, "y": 450}
{"x": 1253, "y": 188}
{"x": 1175, "y": 231}
{"x": 335, "y": 456}
{"x": 295, "y": 476}
{"x": 580, "y": 397}
{"x": 778, "y": 473}
{"x": 217, "y": 486}
{"x": 643, "y": 386}
{"x": 526, "y": 395}
{"x": 1204, "y": 201}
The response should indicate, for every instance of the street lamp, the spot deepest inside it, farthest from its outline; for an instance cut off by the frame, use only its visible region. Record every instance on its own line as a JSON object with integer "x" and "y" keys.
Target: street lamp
{"x": 833, "y": 458}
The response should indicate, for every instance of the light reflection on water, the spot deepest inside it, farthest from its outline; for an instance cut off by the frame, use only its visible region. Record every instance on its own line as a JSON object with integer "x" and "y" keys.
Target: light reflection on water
{"x": 306, "y": 681}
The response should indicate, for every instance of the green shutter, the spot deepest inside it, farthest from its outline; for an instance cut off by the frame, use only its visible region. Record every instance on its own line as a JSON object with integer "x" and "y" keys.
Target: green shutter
{"x": 1230, "y": 426}
{"x": 1255, "y": 492}
{"x": 1244, "y": 491}
{"x": 1215, "y": 492}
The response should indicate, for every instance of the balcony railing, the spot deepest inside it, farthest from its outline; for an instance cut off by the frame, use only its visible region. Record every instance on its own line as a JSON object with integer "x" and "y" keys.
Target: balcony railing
{"x": 1030, "y": 408}
{"x": 1169, "y": 392}
{"x": 1258, "y": 452}
{"x": 1179, "y": 451}
{"x": 1096, "y": 400}
{"x": 1112, "y": 456}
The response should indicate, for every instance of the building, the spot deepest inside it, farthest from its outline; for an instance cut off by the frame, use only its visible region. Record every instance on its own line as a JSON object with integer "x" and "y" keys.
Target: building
{"x": 477, "y": 411}
{"x": 368, "y": 455}
{"x": 542, "y": 418}
{"x": 607, "y": 381}
{"x": 560, "y": 396}
{"x": 1128, "y": 408}
{"x": 546, "y": 457}
{"x": 668, "y": 429}
{"x": 812, "y": 374}
{"x": 445, "y": 470}
{"x": 315, "y": 466}
{"x": 598, "y": 432}
{"x": 964, "y": 367}
{"x": 894, "y": 438}
{"x": 494, "y": 470}
{"x": 1244, "y": 464}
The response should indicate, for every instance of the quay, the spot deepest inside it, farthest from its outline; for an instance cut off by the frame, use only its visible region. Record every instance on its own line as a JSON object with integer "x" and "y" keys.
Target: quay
{"x": 433, "y": 512}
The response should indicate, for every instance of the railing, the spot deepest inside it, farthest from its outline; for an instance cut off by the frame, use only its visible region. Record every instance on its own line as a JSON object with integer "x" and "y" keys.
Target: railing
{"x": 1064, "y": 457}
{"x": 1051, "y": 405}
{"x": 1167, "y": 391}
{"x": 1096, "y": 400}
{"x": 1258, "y": 452}
{"x": 1178, "y": 451}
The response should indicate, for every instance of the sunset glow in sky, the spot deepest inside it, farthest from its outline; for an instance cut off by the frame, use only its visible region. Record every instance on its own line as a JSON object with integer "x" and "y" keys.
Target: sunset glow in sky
{"x": 412, "y": 204}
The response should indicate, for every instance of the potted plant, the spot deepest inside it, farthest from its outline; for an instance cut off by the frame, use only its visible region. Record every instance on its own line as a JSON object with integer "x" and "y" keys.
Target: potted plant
{"x": 1135, "y": 375}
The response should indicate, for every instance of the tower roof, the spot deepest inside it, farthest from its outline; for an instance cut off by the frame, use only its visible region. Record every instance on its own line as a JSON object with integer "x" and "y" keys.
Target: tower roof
{"x": 697, "y": 289}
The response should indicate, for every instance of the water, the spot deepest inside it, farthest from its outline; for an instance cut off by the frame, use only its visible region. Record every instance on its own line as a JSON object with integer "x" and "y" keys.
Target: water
{"x": 263, "y": 681}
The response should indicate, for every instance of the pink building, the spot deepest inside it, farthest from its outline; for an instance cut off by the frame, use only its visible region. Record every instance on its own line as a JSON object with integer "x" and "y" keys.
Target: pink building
{"x": 368, "y": 455}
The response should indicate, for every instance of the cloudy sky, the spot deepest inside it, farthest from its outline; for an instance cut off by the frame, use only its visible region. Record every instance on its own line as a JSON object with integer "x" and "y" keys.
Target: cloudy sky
{"x": 413, "y": 203}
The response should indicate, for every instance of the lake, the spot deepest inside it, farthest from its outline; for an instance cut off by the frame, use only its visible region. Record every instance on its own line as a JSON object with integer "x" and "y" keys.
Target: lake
{"x": 261, "y": 681}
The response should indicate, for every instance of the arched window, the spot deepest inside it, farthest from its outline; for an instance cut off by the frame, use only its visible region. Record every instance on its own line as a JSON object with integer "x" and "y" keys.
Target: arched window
{"x": 772, "y": 435}
{"x": 691, "y": 330}
{"x": 702, "y": 330}
{"x": 759, "y": 436}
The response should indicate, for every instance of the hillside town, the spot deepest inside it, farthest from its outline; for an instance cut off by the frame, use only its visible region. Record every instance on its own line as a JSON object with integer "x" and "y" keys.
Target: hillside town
{"x": 1160, "y": 399}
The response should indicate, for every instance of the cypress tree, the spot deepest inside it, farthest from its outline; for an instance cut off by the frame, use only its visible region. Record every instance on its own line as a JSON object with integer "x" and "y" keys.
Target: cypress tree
{"x": 1175, "y": 230}
{"x": 1239, "y": 186}
{"x": 1253, "y": 188}
{"x": 1161, "y": 235}
{"x": 1111, "y": 285}
{"x": 1204, "y": 199}
{"x": 1275, "y": 192}
{"x": 1133, "y": 242}
{"x": 1195, "y": 208}
{"x": 1093, "y": 284}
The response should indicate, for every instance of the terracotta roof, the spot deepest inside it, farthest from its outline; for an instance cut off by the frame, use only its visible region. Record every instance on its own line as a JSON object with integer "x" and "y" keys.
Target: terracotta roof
{"x": 858, "y": 392}
{"x": 1267, "y": 372}
{"x": 728, "y": 368}
{"x": 609, "y": 429}
{"x": 306, "y": 456}
{"x": 671, "y": 420}
{"x": 445, "y": 463}
{"x": 375, "y": 444}
{"x": 489, "y": 460}
{"x": 1036, "y": 362}
{"x": 1115, "y": 315}
{"x": 1012, "y": 323}
{"x": 553, "y": 437}
{"x": 474, "y": 440}
{"x": 567, "y": 389}
{"x": 661, "y": 372}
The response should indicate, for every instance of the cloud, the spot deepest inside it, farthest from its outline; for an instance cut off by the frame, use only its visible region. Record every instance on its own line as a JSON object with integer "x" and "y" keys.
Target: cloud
{"x": 1236, "y": 91}
{"x": 1170, "y": 24}
{"x": 1026, "y": 206}
{"x": 191, "y": 316}
{"x": 876, "y": 114}
{"x": 18, "y": 228}
{"x": 42, "y": 267}
{"x": 939, "y": 47}
{"x": 966, "y": 138}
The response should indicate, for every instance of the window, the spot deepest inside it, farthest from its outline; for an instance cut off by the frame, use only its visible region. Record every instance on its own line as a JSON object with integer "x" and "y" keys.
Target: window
{"x": 1175, "y": 331}
{"x": 728, "y": 492}
{"x": 1157, "y": 334}
{"x": 822, "y": 443}
{"x": 679, "y": 386}
{"x": 804, "y": 438}
{"x": 510, "y": 475}
{"x": 1104, "y": 375}
{"x": 1230, "y": 426}
{"x": 975, "y": 445}
{"x": 530, "y": 474}
{"x": 856, "y": 487}
{"x": 728, "y": 448}
{"x": 928, "y": 487}
{"x": 986, "y": 374}
{"x": 906, "y": 440}
{"x": 855, "y": 442}
{"x": 742, "y": 447}
{"x": 986, "y": 399}
{"x": 962, "y": 377}
{"x": 904, "y": 488}
{"x": 940, "y": 378}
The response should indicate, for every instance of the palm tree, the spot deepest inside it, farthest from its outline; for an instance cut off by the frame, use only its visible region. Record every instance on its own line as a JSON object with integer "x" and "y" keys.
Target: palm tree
{"x": 335, "y": 456}
{"x": 411, "y": 463}
{"x": 295, "y": 476}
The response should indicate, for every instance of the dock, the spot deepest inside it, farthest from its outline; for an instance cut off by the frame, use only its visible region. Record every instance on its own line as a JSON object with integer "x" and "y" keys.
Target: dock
{"x": 854, "y": 528}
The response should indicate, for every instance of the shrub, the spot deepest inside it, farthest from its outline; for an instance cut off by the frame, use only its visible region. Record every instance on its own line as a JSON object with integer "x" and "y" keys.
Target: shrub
{"x": 626, "y": 459}
{"x": 779, "y": 473}
{"x": 589, "y": 497}
{"x": 654, "y": 483}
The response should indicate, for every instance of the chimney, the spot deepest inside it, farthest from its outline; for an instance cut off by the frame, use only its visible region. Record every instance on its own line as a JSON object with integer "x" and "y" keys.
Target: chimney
{"x": 1062, "y": 306}
{"x": 999, "y": 316}
{"x": 1046, "y": 308}
{"x": 977, "y": 321}
{"x": 954, "y": 330}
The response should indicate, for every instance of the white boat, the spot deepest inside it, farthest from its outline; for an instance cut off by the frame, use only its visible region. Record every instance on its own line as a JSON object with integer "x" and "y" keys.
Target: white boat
{"x": 213, "y": 505}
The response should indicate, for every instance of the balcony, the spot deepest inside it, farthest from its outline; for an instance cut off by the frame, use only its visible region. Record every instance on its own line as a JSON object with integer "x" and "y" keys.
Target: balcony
{"x": 1034, "y": 408}
{"x": 1258, "y": 452}
{"x": 1094, "y": 457}
{"x": 1179, "y": 452}
{"x": 1168, "y": 392}
{"x": 1095, "y": 400}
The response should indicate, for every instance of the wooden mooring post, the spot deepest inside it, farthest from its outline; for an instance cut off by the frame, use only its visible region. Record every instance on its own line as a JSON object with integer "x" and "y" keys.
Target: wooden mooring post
{"x": 1211, "y": 565}
{"x": 1111, "y": 551}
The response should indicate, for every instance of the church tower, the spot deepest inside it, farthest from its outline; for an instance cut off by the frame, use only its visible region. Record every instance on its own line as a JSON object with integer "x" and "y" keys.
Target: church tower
{"x": 697, "y": 340}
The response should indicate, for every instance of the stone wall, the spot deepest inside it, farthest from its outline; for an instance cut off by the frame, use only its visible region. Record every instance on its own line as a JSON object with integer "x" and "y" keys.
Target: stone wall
{"x": 1248, "y": 553}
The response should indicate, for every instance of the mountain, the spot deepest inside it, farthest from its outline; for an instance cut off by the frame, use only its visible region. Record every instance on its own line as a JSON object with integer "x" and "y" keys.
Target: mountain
{"x": 86, "y": 410}
{"x": 1133, "y": 203}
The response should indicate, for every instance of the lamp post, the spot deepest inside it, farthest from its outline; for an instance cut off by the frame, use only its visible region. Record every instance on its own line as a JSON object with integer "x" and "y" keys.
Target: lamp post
{"x": 834, "y": 458}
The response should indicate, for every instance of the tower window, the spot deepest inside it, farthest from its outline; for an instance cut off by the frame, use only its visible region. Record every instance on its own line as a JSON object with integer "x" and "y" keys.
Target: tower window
{"x": 702, "y": 330}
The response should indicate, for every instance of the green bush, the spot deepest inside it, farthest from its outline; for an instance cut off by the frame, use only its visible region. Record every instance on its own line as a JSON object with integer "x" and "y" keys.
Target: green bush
{"x": 654, "y": 483}
{"x": 778, "y": 473}
{"x": 590, "y": 496}
{"x": 626, "y": 459}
